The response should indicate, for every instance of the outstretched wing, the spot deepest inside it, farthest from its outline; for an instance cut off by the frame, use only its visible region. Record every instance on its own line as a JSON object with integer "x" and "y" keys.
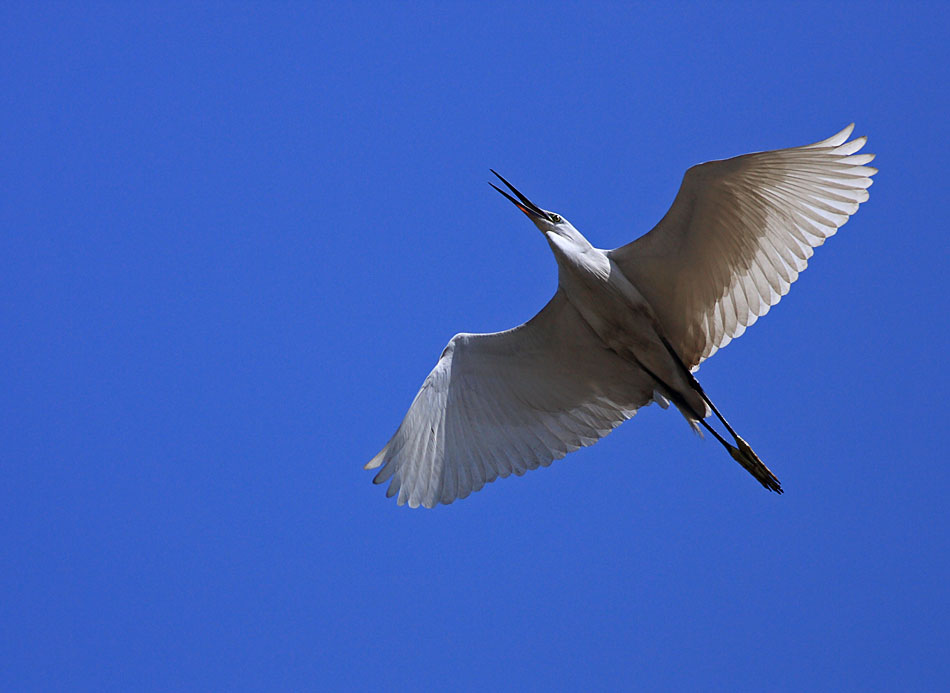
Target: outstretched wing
{"x": 738, "y": 234}
{"x": 509, "y": 402}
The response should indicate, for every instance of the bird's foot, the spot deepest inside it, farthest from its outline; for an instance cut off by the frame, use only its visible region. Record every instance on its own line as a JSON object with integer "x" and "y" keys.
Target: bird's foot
{"x": 746, "y": 456}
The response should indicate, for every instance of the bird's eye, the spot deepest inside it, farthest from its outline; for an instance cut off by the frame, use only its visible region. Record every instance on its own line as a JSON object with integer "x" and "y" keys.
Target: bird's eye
{"x": 556, "y": 218}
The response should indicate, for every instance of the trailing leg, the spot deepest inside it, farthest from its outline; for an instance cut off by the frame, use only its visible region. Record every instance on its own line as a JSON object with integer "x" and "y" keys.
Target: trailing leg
{"x": 741, "y": 452}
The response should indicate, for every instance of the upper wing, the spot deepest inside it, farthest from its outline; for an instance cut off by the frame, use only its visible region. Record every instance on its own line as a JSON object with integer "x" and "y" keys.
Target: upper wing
{"x": 739, "y": 232}
{"x": 507, "y": 402}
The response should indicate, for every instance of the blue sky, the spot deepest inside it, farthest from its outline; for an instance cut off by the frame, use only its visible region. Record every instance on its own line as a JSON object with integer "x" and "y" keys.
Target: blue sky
{"x": 236, "y": 237}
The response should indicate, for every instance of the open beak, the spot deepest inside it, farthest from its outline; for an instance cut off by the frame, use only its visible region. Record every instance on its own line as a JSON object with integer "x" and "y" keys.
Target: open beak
{"x": 522, "y": 203}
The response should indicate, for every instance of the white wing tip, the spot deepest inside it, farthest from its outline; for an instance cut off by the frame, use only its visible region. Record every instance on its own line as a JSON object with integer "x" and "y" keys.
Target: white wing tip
{"x": 377, "y": 459}
{"x": 835, "y": 140}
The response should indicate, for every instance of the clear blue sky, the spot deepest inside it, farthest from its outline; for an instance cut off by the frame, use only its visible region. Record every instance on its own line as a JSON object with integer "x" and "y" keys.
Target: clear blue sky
{"x": 234, "y": 239}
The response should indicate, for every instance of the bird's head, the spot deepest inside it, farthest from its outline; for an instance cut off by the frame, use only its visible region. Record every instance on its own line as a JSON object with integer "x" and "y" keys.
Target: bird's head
{"x": 546, "y": 221}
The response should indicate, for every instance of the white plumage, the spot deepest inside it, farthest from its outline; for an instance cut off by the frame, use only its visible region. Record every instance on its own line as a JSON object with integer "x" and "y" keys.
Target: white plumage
{"x": 738, "y": 234}
{"x": 626, "y": 326}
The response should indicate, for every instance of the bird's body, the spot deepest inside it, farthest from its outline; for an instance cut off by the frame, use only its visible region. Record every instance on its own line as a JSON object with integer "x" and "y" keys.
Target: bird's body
{"x": 617, "y": 313}
{"x": 626, "y": 326}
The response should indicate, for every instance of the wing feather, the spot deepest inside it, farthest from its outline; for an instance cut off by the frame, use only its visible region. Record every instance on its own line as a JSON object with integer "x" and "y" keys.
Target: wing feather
{"x": 503, "y": 403}
{"x": 739, "y": 233}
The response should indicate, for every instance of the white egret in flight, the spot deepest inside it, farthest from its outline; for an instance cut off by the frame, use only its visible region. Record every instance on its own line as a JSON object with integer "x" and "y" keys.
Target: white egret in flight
{"x": 626, "y": 326}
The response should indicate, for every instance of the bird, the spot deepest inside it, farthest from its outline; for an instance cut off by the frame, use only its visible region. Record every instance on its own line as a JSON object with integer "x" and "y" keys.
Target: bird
{"x": 626, "y": 327}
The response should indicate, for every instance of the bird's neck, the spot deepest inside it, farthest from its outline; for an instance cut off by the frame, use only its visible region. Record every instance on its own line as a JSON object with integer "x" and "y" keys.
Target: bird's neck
{"x": 576, "y": 257}
{"x": 567, "y": 237}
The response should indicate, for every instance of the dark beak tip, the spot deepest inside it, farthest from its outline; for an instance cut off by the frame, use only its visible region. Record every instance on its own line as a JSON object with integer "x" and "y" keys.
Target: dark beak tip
{"x": 525, "y": 204}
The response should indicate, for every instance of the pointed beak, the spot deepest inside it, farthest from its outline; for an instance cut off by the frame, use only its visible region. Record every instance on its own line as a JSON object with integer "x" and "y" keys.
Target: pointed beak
{"x": 522, "y": 203}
